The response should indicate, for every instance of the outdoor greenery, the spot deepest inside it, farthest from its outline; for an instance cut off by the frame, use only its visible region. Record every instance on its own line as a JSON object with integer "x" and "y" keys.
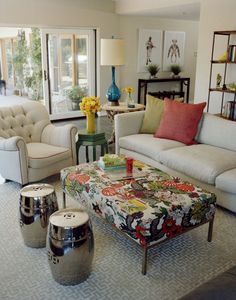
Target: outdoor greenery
{"x": 76, "y": 93}
{"x": 20, "y": 60}
{"x": 34, "y": 80}
{"x": 28, "y": 65}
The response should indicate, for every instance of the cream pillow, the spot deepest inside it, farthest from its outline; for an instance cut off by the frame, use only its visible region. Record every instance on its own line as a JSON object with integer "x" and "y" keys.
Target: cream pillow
{"x": 153, "y": 114}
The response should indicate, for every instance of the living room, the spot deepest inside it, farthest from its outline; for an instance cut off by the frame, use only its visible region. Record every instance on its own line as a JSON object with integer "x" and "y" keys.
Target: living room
{"x": 176, "y": 267}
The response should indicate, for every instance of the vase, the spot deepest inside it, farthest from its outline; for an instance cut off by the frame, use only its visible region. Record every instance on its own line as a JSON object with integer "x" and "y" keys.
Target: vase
{"x": 90, "y": 117}
{"x": 130, "y": 101}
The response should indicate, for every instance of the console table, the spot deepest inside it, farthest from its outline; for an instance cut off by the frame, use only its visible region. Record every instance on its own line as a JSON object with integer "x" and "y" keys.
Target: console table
{"x": 183, "y": 81}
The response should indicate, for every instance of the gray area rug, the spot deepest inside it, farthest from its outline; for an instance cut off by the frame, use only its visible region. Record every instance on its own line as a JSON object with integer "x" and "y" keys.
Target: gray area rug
{"x": 174, "y": 268}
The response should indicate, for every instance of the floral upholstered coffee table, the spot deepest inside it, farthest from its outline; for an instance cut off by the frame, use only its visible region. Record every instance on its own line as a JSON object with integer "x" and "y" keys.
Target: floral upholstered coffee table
{"x": 149, "y": 209}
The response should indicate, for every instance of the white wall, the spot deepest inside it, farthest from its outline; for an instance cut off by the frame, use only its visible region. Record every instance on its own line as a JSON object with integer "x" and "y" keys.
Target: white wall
{"x": 215, "y": 15}
{"x": 129, "y": 26}
{"x": 64, "y": 13}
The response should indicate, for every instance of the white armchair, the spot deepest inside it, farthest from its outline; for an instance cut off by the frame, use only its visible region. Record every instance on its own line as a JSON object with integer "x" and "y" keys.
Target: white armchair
{"x": 31, "y": 148}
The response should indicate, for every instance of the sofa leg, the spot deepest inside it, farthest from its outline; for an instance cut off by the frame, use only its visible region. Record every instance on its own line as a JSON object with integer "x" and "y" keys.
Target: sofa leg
{"x": 144, "y": 262}
{"x": 64, "y": 200}
{"x": 210, "y": 230}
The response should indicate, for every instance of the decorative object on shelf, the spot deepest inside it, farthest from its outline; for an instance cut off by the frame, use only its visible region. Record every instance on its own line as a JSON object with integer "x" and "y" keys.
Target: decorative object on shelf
{"x": 231, "y": 86}
{"x": 153, "y": 69}
{"x": 89, "y": 106}
{"x": 129, "y": 90}
{"x": 218, "y": 80}
{"x": 223, "y": 57}
{"x": 173, "y": 49}
{"x": 175, "y": 69}
{"x": 112, "y": 54}
{"x": 75, "y": 94}
{"x": 149, "y": 48}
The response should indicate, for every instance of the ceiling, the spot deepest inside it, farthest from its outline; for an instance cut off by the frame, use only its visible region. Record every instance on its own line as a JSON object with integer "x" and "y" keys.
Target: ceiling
{"x": 187, "y": 11}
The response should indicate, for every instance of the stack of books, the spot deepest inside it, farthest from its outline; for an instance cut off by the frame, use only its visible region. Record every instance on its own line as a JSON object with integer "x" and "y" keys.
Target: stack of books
{"x": 112, "y": 162}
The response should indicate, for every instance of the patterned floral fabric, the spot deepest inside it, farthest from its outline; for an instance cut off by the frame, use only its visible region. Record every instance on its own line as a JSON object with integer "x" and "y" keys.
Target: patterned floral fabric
{"x": 149, "y": 209}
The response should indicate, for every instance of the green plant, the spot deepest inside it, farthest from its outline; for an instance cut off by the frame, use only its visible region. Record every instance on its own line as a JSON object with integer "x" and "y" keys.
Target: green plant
{"x": 76, "y": 93}
{"x": 34, "y": 80}
{"x": 153, "y": 69}
{"x": 175, "y": 69}
{"x": 20, "y": 60}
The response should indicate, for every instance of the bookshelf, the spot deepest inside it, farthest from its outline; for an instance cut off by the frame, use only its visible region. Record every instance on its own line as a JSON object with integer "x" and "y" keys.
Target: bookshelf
{"x": 227, "y": 108}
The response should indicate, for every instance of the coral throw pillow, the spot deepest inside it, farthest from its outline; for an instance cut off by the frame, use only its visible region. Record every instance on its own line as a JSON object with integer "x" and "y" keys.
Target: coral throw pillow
{"x": 180, "y": 121}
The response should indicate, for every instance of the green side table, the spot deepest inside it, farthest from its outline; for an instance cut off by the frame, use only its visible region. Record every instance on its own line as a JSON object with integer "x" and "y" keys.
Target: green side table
{"x": 91, "y": 139}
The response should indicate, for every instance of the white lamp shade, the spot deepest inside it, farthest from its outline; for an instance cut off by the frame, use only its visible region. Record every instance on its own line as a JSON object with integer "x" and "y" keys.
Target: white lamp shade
{"x": 112, "y": 52}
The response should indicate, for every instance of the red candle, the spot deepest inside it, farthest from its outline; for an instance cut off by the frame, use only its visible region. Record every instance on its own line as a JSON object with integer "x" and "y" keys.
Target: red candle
{"x": 129, "y": 166}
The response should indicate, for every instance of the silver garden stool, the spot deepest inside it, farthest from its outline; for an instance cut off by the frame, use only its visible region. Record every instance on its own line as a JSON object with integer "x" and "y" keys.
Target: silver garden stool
{"x": 70, "y": 246}
{"x": 37, "y": 203}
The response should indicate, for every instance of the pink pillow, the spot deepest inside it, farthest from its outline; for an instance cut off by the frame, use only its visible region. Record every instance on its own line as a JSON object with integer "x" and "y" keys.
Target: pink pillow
{"x": 180, "y": 121}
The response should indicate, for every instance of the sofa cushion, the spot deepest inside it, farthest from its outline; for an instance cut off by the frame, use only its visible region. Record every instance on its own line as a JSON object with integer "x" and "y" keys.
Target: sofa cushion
{"x": 202, "y": 162}
{"x": 217, "y": 132}
{"x": 41, "y": 155}
{"x": 226, "y": 181}
{"x": 180, "y": 121}
{"x": 147, "y": 145}
{"x": 153, "y": 114}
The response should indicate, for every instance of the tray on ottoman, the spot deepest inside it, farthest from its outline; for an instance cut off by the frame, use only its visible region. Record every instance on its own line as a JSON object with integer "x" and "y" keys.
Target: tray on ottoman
{"x": 148, "y": 209}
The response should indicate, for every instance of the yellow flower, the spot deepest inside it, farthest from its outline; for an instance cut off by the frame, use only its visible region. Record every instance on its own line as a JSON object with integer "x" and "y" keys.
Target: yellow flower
{"x": 128, "y": 89}
{"x": 90, "y": 105}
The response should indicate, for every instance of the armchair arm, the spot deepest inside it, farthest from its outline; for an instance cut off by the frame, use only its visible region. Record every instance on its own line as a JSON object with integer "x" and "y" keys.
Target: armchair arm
{"x": 127, "y": 124}
{"x": 62, "y": 136}
{"x": 14, "y": 159}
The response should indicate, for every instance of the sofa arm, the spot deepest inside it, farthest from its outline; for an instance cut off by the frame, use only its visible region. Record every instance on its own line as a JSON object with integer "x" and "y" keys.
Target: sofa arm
{"x": 14, "y": 159}
{"x": 127, "y": 124}
{"x": 62, "y": 136}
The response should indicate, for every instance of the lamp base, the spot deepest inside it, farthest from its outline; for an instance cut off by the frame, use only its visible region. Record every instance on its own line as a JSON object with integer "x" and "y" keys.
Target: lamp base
{"x": 114, "y": 103}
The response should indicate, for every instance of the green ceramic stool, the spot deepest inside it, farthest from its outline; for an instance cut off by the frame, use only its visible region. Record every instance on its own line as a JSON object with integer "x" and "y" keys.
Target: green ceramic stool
{"x": 91, "y": 139}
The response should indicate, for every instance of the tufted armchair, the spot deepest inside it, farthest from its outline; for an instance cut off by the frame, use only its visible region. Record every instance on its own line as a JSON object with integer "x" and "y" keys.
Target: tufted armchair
{"x": 31, "y": 148}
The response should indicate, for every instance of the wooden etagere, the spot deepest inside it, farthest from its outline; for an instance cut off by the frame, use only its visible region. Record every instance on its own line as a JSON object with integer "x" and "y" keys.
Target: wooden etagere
{"x": 231, "y": 59}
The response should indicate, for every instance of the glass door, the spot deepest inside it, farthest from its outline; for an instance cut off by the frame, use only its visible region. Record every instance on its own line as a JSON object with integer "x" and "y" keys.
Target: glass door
{"x": 69, "y": 70}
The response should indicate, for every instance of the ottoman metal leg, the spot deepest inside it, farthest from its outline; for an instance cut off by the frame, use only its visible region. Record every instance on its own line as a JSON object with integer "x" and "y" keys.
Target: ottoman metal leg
{"x": 144, "y": 263}
{"x": 64, "y": 199}
{"x": 210, "y": 230}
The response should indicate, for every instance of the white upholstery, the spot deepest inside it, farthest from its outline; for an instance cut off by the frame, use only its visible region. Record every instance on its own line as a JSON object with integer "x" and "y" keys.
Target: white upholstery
{"x": 154, "y": 145}
{"x": 211, "y": 164}
{"x": 217, "y": 132}
{"x": 31, "y": 148}
{"x": 227, "y": 181}
{"x": 202, "y": 162}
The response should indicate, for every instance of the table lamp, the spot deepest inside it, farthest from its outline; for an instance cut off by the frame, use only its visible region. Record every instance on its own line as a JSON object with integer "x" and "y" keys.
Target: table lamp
{"x": 112, "y": 54}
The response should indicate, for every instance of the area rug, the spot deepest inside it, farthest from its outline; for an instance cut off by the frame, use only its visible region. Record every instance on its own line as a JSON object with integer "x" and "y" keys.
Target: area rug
{"x": 174, "y": 268}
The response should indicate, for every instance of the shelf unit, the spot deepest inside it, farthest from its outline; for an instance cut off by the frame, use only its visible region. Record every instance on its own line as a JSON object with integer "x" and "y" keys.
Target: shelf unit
{"x": 184, "y": 82}
{"x": 223, "y": 89}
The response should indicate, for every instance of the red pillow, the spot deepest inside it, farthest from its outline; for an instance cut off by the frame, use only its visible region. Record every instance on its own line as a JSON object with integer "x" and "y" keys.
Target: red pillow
{"x": 180, "y": 121}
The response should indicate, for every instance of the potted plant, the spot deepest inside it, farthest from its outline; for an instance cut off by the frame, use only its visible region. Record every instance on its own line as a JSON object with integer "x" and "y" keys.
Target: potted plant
{"x": 175, "y": 69}
{"x": 153, "y": 69}
{"x": 75, "y": 94}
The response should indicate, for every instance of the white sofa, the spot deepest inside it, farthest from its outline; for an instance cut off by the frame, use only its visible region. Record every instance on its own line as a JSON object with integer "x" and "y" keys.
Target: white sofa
{"x": 31, "y": 148}
{"x": 210, "y": 164}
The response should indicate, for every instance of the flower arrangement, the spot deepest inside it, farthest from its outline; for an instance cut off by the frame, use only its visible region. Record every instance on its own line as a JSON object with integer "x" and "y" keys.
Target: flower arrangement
{"x": 129, "y": 90}
{"x": 90, "y": 105}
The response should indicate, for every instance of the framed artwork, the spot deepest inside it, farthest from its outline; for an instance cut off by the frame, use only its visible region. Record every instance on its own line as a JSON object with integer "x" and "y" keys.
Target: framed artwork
{"x": 149, "y": 48}
{"x": 174, "y": 44}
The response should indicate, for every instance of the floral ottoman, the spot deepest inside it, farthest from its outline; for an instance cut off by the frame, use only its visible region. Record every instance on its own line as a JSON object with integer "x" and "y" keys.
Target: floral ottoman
{"x": 149, "y": 209}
